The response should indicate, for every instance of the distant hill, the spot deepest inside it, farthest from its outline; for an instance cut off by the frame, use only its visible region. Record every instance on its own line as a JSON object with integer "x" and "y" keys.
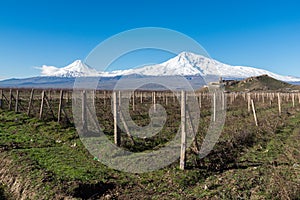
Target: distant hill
{"x": 104, "y": 83}
{"x": 259, "y": 83}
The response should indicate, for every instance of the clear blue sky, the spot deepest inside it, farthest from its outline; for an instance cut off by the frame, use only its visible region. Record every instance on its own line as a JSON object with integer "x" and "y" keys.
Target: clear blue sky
{"x": 262, "y": 33}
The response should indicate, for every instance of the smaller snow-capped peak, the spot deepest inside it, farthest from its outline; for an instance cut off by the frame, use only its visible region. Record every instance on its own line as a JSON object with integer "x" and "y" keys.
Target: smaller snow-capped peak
{"x": 79, "y": 67}
{"x": 75, "y": 69}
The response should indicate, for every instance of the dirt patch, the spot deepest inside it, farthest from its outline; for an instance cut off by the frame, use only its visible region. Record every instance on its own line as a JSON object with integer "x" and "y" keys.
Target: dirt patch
{"x": 22, "y": 187}
{"x": 19, "y": 187}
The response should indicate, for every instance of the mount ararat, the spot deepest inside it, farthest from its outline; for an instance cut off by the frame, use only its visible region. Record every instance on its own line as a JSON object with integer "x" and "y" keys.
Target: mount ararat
{"x": 187, "y": 64}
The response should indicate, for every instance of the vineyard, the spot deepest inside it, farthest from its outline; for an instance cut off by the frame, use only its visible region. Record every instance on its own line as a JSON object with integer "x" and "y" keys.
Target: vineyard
{"x": 256, "y": 157}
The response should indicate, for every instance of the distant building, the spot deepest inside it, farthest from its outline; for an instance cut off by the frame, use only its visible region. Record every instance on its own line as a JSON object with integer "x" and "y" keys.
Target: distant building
{"x": 219, "y": 84}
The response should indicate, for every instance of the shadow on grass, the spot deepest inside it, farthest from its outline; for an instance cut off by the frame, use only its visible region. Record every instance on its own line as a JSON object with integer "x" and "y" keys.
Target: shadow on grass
{"x": 2, "y": 193}
{"x": 92, "y": 191}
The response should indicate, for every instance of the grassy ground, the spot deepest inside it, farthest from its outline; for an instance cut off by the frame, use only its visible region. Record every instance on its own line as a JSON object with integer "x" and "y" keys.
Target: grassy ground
{"x": 268, "y": 170}
{"x": 45, "y": 160}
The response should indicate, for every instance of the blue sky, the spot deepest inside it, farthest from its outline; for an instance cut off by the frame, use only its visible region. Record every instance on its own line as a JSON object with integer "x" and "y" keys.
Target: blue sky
{"x": 263, "y": 34}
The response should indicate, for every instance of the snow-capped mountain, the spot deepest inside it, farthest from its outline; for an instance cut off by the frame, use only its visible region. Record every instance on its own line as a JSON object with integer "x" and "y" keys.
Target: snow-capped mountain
{"x": 184, "y": 64}
{"x": 75, "y": 69}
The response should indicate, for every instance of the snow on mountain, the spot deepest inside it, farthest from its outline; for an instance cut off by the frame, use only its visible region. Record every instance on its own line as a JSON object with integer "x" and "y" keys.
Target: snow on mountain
{"x": 75, "y": 69}
{"x": 192, "y": 64}
{"x": 184, "y": 64}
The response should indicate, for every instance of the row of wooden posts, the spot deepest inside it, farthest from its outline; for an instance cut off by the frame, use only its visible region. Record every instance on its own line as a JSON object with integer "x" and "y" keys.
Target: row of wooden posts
{"x": 117, "y": 113}
{"x": 264, "y": 97}
{"x": 271, "y": 97}
{"x": 232, "y": 96}
{"x": 44, "y": 100}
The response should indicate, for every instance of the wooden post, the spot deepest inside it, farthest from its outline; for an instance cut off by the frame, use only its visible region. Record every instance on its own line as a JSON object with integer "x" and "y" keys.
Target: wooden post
{"x": 231, "y": 98}
{"x": 183, "y": 130}
{"x": 83, "y": 114}
{"x": 174, "y": 97}
{"x": 133, "y": 101}
{"x": 166, "y": 98}
{"x": 104, "y": 97}
{"x": 215, "y": 107}
{"x": 61, "y": 97}
{"x": 152, "y": 98}
{"x": 224, "y": 100}
{"x": 254, "y": 112}
{"x": 200, "y": 100}
{"x": 141, "y": 96}
{"x": 93, "y": 98}
{"x": 154, "y": 101}
{"x": 293, "y": 100}
{"x": 68, "y": 96}
{"x": 30, "y": 102}
{"x": 42, "y": 104}
{"x": 249, "y": 102}
{"x": 117, "y": 137}
{"x": 279, "y": 103}
{"x": 17, "y": 102}
{"x": 1, "y": 98}
{"x": 10, "y": 100}
{"x": 119, "y": 98}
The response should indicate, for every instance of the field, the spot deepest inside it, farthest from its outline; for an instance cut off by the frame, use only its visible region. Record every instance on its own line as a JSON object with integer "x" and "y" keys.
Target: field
{"x": 42, "y": 158}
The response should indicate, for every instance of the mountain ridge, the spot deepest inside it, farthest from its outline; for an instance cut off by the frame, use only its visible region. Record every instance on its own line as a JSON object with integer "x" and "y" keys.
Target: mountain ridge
{"x": 259, "y": 83}
{"x": 184, "y": 64}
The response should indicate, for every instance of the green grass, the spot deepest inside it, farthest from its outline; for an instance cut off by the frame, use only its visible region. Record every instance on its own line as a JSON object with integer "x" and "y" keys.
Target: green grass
{"x": 268, "y": 170}
{"x": 257, "y": 162}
